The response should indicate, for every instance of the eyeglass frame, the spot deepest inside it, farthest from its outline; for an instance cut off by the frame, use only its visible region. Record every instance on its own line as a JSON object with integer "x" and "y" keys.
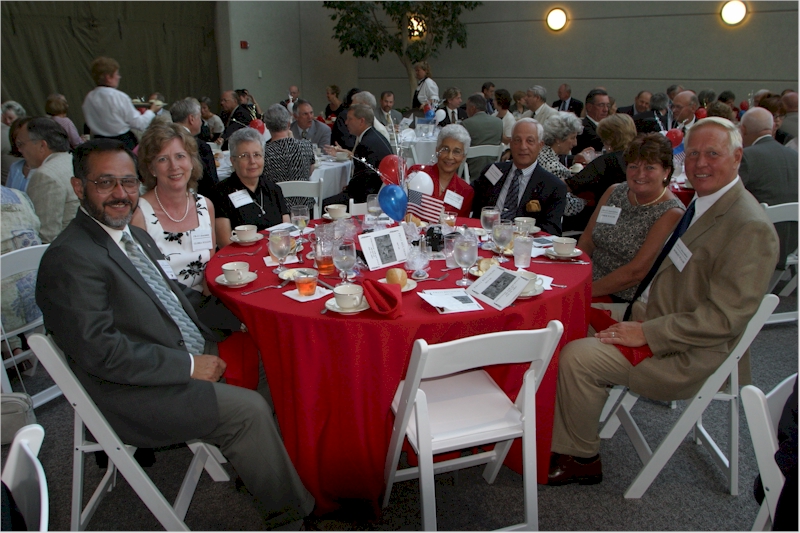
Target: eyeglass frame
{"x": 248, "y": 156}
{"x": 134, "y": 182}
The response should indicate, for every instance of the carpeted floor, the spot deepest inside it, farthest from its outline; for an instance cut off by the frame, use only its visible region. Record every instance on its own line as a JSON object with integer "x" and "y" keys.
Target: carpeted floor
{"x": 689, "y": 494}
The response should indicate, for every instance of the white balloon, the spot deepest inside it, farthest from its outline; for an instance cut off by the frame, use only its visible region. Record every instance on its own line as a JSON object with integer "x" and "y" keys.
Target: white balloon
{"x": 408, "y": 135}
{"x": 421, "y": 182}
{"x": 440, "y": 115}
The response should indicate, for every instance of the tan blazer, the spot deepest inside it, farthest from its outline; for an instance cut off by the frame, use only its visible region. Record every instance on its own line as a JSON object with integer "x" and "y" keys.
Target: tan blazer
{"x": 694, "y": 318}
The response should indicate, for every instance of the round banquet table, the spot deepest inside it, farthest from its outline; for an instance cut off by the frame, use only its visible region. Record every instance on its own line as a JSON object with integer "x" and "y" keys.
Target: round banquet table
{"x": 332, "y": 377}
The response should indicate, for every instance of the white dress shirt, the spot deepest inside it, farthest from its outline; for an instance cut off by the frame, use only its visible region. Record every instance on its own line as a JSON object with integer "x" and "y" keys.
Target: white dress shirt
{"x": 109, "y": 112}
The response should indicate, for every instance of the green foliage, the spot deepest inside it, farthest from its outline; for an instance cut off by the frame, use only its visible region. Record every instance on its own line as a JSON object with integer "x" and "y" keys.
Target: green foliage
{"x": 370, "y": 29}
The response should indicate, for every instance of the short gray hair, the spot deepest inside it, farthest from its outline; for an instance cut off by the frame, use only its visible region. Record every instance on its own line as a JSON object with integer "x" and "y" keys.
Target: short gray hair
{"x": 244, "y": 135}
{"x": 528, "y": 120}
{"x": 363, "y": 111}
{"x": 454, "y": 131}
{"x": 183, "y": 109}
{"x": 48, "y": 130}
{"x": 560, "y": 126}
{"x": 277, "y": 118}
{"x": 13, "y": 106}
{"x": 659, "y": 102}
{"x": 366, "y": 98}
{"x": 734, "y": 135}
{"x": 539, "y": 91}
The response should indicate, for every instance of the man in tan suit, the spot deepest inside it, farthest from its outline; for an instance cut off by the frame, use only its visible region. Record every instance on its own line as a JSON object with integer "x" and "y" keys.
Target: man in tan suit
{"x": 698, "y": 305}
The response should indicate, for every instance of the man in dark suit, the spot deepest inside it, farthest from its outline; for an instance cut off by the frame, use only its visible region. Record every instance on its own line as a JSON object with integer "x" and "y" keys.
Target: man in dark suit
{"x": 136, "y": 344}
{"x": 186, "y": 112}
{"x": 769, "y": 171}
{"x": 655, "y": 119}
{"x": 565, "y": 101}
{"x": 233, "y": 115}
{"x": 640, "y": 104}
{"x": 597, "y": 106}
{"x": 483, "y": 130}
{"x": 539, "y": 194}
{"x": 451, "y": 106}
{"x": 370, "y": 146}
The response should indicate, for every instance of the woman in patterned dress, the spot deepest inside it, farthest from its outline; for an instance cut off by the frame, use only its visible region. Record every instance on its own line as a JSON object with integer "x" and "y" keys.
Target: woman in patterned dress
{"x": 286, "y": 158}
{"x": 560, "y": 136}
{"x": 178, "y": 219}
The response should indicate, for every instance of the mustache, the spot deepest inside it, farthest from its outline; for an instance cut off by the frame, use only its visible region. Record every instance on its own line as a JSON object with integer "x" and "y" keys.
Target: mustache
{"x": 121, "y": 201}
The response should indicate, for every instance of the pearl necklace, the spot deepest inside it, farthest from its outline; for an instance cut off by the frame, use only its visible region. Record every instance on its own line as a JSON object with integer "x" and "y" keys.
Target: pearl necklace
{"x": 165, "y": 210}
{"x": 635, "y": 199}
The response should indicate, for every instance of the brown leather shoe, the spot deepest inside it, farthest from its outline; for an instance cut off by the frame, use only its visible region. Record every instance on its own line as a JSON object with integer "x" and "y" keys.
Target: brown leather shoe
{"x": 564, "y": 469}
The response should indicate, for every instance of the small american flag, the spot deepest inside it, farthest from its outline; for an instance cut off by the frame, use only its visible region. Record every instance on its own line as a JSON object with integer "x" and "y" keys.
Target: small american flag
{"x": 425, "y": 207}
{"x": 678, "y": 155}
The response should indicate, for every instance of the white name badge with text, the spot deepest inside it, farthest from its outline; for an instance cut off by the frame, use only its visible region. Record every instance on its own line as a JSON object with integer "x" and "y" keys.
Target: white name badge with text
{"x": 680, "y": 255}
{"x": 609, "y": 215}
{"x": 454, "y": 199}
{"x": 165, "y": 266}
{"x": 240, "y": 198}
{"x": 201, "y": 239}
{"x": 493, "y": 174}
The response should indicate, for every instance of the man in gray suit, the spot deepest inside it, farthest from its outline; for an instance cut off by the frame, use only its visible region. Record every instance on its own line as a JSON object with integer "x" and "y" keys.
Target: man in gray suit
{"x": 483, "y": 130}
{"x": 769, "y": 171}
{"x": 700, "y": 300}
{"x": 388, "y": 115}
{"x": 306, "y": 127}
{"x": 136, "y": 344}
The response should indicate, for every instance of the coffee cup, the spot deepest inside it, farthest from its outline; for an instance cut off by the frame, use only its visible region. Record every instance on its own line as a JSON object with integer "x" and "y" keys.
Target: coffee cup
{"x": 534, "y": 281}
{"x": 246, "y": 232}
{"x": 564, "y": 245}
{"x": 525, "y": 225}
{"x": 236, "y": 271}
{"x": 341, "y": 156}
{"x": 348, "y": 296}
{"x": 336, "y": 211}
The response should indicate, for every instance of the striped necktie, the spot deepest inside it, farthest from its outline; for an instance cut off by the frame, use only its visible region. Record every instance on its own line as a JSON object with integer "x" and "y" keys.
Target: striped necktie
{"x": 195, "y": 343}
{"x": 512, "y": 198}
{"x": 304, "y": 135}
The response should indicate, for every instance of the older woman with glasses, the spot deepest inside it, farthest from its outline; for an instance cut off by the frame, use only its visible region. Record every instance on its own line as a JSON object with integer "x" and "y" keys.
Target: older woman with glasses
{"x": 245, "y": 198}
{"x": 180, "y": 221}
{"x": 560, "y": 136}
{"x": 451, "y": 149}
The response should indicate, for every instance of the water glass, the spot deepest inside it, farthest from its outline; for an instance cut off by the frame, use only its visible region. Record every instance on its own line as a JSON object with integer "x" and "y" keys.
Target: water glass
{"x": 522, "y": 251}
{"x": 466, "y": 253}
{"x": 344, "y": 257}
{"x": 374, "y": 208}
{"x": 280, "y": 244}
{"x": 502, "y": 233}
{"x": 449, "y": 249}
{"x": 300, "y": 218}
{"x": 489, "y": 215}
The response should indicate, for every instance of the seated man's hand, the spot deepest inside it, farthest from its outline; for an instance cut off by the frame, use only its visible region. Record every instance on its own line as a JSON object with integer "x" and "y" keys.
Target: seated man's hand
{"x": 208, "y": 367}
{"x": 624, "y": 333}
{"x": 219, "y": 140}
{"x": 586, "y": 156}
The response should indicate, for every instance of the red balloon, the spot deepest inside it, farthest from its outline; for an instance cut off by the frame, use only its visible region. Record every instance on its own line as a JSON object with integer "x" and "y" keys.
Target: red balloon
{"x": 701, "y": 113}
{"x": 745, "y": 105}
{"x": 675, "y": 136}
{"x": 389, "y": 170}
{"x": 257, "y": 124}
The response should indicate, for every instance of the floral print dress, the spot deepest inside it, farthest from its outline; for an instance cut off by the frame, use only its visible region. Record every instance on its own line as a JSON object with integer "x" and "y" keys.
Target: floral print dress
{"x": 189, "y": 266}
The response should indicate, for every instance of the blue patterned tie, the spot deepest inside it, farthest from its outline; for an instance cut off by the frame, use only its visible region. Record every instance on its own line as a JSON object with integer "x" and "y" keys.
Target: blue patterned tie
{"x": 512, "y": 198}
{"x": 195, "y": 343}
{"x": 680, "y": 229}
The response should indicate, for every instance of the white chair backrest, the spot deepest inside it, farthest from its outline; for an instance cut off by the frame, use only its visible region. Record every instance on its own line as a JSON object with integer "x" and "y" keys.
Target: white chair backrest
{"x": 781, "y": 212}
{"x": 485, "y": 150}
{"x": 24, "y": 476}
{"x": 21, "y": 260}
{"x": 305, "y": 189}
{"x": 357, "y": 209}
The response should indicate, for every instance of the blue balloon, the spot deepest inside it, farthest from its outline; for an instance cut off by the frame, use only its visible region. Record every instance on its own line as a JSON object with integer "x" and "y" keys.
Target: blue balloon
{"x": 393, "y": 201}
{"x": 430, "y": 113}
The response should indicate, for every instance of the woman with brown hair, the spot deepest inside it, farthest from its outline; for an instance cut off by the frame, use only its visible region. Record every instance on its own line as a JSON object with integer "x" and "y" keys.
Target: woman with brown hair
{"x": 56, "y": 106}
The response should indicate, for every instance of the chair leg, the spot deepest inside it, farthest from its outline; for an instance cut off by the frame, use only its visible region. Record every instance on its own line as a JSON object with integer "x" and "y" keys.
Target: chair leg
{"x": 493, "y": 467}
{"x": 609, "y": 421}
{"x": 213, "y": 465}
{"x": 763, "y": 521}
{"x": 790, "y": 287}
{"x": 427, "y": 486}
{"x": 77, "y": 475}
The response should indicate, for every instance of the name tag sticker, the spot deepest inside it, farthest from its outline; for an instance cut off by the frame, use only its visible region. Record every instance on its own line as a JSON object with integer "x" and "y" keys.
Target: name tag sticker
{"x": 680, "y": 255}
{"x": 201, "y": 239}
{"x": 240, "y": 198}
{"x": 493, "y": 174}
{"x": 609, "y": 215}
{"x": 454, "y": 199}
{"x": 164, "y": 264}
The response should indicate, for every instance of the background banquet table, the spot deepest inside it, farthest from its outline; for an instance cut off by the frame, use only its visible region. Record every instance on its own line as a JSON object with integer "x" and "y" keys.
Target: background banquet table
{"x": 332, "y": 377}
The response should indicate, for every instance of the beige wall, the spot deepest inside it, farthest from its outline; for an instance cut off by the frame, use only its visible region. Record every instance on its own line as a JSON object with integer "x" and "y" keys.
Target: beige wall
{"x": 623, "y": 46}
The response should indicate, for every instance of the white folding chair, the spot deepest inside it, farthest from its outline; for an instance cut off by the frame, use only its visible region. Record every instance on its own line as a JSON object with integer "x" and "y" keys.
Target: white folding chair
{"x": 24, "y": 476}
{"x": 777, "y": 214}
{"x": 305, "y": 189}
{"x": 357, "y": 209}
{"x": 441, "y": 408}
{"x": 120, "y": 455}
{"x": 485, "y": 150}
{"x": 726, "y": 375}
{"x": 13, "y": 263}
{"x": 763, "y": 414}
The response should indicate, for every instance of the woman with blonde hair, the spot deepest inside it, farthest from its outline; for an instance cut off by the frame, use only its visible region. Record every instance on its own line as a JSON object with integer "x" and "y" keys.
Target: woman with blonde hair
{"x": 427, "y": 90}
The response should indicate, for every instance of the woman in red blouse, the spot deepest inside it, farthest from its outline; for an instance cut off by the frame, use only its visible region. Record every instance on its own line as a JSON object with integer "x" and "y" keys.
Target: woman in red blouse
{"x": 451, "y": 149}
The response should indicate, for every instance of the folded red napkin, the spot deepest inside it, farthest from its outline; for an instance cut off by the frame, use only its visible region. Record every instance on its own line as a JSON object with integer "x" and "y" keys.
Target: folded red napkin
{"x": 384, "y": 298}
{"x": 600, "y": 319}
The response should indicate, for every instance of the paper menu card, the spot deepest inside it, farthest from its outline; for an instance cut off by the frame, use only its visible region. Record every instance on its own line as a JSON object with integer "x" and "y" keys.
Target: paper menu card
{"x": 384, "y": 248}
{"x": 498, "y": 287}
{"x": 450, "y": 300}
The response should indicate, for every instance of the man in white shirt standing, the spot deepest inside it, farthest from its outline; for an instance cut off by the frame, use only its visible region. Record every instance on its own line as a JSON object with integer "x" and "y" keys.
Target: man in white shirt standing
{"x": 108, "y": 111}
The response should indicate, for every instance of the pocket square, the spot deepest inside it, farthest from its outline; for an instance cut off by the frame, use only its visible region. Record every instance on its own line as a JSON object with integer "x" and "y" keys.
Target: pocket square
{"x": 533, "y": 206}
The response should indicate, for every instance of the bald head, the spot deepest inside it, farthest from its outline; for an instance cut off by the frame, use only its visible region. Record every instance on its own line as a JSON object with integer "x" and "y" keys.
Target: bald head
{"x": 684, "y": 105}
{"x": 229, "y": 101}
{"x": 790, "y": 102}
{"x": 756, "y": 123}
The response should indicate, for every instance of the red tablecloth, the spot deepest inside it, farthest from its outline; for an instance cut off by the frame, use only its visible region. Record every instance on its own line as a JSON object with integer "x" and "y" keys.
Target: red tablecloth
{"x": 683, "y": 194}
{"x": 332, "y": 377}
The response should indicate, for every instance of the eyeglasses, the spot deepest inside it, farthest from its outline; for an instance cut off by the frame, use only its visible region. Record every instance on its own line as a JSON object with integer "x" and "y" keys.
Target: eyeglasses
{"x": 445, "y": 151}
{"x": 256, "y": 156}
{"x": 109, "y": 184}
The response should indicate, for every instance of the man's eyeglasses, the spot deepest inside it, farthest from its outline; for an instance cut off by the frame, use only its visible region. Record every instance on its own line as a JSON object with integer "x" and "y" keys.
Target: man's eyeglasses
{"x": 445, "y": 151}
{"x": 256, "y": 156}
{"x": 109, "y": 184}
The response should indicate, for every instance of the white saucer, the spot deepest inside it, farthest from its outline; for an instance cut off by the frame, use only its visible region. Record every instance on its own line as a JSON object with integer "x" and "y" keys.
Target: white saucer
{"x": 553, "y": 255}
{"x": 535, "y": 292}
{"x": 331, "y": 306}
{"x": 474, "y": 271}
{"x": 250, "y": 277}
{"x": 289, "y": 274}
{"x": 410, "y": 285}
{"x": 240, "y": 242}
{"x": 326, "y": 216}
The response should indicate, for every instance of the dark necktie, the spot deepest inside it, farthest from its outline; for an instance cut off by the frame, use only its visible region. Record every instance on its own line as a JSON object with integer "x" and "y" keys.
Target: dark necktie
{"x": 195, "y": 343}
{"x": 680, "y": 229}
{"x": 452, "y": 116}
{"x": 564, "y": 105}
{"x": 304, "y": 135}
{"x": 512, "y": 198}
